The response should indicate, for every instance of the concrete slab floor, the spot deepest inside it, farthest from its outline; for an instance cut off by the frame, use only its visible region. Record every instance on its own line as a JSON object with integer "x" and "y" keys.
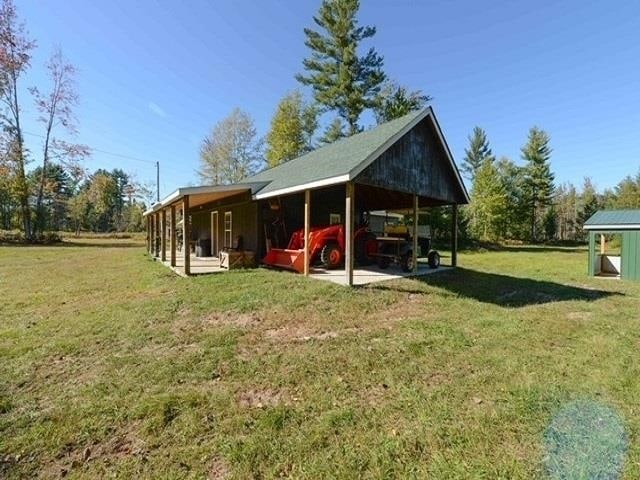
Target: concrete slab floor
{"x": 371, "y": 274}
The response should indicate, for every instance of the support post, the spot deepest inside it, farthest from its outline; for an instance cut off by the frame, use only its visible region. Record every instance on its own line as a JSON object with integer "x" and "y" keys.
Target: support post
{"x": 454, "y": 235}
{"x": 172, "y": 221}
{"x": 150, "y": 222}
{"x": 186, "y": 235}
{"x": 348, "y": 233}
{"x": 416, "y": 201}
{"x": 148, "y": 239}
{"x": 163, "y": 235}
{"x": 156, "y": 243}
{"x": 307, "y": 228}
{"x": 603, "y": 243}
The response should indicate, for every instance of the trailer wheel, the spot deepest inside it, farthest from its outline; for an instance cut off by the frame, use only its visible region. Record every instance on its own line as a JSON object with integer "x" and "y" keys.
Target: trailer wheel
{"x": 406, "y": 261}
{"x": 433, "y": 259}
{"x": 331, "y": 255}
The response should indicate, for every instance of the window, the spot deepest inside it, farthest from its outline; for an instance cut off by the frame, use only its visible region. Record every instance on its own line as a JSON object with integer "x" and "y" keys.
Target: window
{"x": 228, "y": 236}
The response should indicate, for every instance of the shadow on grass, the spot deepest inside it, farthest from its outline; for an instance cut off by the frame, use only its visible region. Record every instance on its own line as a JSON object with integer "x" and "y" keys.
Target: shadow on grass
{"x": 502, "y": 290}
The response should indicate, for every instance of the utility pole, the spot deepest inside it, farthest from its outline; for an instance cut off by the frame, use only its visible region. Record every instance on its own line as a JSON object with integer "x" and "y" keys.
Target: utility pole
{"x": 158, "y": 179}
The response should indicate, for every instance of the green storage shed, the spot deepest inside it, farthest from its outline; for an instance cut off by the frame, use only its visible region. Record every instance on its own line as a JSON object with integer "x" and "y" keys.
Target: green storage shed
{"x": 626, "y": 223}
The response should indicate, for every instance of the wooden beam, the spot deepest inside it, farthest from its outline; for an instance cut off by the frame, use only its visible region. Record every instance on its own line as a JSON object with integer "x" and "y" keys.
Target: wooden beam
{"x": 603, "y": 244}
{"x": 163, "y": 235}
{"x": 148, "y": 239}
{"x": 156, "y": 243}
{"x": 307, "y": 228}
{"x": 348, "y": 232}
{"x": 416, "y": 200}
{"x": 172, "y": 222}
{"x": 454, "y": 235}
{"x": 186, "y": 235}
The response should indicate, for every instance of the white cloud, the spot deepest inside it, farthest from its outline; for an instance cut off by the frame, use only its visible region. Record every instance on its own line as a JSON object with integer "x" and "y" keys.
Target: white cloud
{"x": 155, "y": 108}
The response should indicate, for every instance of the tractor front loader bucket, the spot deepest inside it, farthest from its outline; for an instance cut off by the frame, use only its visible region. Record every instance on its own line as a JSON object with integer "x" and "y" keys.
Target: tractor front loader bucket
{"x": 285, "y": 258}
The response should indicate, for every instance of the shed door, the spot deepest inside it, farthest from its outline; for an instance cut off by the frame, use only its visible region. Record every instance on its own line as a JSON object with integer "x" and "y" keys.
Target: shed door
{"x": 630, "y": 261}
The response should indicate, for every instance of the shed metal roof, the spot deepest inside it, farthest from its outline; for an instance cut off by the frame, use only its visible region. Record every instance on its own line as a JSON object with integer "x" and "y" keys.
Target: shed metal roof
{"x": 614, "y": 220}
{"x": 341, "y": 161}
{"x": 336, "y": 163}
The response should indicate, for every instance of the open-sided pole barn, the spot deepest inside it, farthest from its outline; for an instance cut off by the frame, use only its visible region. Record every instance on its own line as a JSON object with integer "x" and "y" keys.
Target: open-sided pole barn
{"x": 402, "y": 165}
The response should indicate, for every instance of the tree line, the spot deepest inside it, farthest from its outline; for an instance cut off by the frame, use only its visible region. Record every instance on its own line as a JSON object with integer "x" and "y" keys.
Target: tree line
{"x": 48, "y": 189}
{"x": 522, "y": 202}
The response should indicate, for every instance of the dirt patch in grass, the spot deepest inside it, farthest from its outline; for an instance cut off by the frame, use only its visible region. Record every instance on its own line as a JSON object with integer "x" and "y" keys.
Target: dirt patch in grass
{"x": 243, "y": 320}
{"x": 579, "y": 315}
{"x": 219, "y": 470}
{"x": 262, "y": 398}
{"x": 302, "y": 334}
{"x": 124, "y": 443}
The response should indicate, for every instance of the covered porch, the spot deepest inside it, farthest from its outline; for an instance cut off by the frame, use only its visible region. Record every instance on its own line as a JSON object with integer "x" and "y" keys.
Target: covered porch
{"x": 189, "y": 249}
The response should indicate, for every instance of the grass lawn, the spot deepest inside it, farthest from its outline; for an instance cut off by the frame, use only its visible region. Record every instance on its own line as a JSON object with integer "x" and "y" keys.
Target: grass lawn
{"x": 113, "y": 366}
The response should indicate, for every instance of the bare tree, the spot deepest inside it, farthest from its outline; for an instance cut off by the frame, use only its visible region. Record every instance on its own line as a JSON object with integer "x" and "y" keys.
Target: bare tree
{"x": 15, "y": 57}
{"x": 56, "y": 110}
{"x": 231, "y": 151}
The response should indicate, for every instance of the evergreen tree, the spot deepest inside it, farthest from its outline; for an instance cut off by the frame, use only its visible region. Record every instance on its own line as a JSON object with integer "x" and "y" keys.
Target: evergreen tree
{"x": 538, "y": 177}
{"x": 627, "y": 193}
{"x": 477, "y": 153}
{"x": 489, "y": 203}
{"x": 512, "y": 177}
{"x": 290, "y": 135}
{"x": 395, "y": 101}
{"x": 341, "y": 79}
{"x": 589, "y": 202}
{"x": 334, "y": 131}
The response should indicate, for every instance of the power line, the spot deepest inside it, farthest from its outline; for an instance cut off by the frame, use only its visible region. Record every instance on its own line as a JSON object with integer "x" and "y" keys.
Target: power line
{"x": 121, "y": 155}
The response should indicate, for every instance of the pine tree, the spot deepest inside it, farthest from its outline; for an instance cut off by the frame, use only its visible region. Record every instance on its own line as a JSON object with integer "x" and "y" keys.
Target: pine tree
{"x": 341, "y": 79}
{"x": 627, "y": 192}
{"x": 395, "y": 101}
{"x": 489, "y": 203}
{"x": 334, "y": 131}
{"x": 538, "y": 177}
{"x": 290, "y": 135}
{"x": 589, "y": 201}
{"x": 512, "y": 177}
{"x": 477, "y": 153}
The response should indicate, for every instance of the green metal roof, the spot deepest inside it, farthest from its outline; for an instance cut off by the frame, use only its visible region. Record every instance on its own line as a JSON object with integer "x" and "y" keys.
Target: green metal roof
{"x": 340, "y": 161}
{"x": 614, "y": 220}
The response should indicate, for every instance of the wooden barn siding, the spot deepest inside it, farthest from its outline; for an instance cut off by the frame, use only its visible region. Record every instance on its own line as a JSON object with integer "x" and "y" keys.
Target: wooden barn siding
{"x": 244, "y": 218}
{"x": 418, "y": 164}
{"x": 324, "y": 201}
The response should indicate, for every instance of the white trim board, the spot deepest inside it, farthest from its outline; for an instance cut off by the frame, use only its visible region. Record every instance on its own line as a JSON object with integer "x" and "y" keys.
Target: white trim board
{"x": 305, "y": 186}
{"x": 605, "y": 228}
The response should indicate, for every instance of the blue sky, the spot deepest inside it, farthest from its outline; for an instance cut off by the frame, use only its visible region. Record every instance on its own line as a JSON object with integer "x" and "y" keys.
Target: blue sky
{"x": 156, "y": 75}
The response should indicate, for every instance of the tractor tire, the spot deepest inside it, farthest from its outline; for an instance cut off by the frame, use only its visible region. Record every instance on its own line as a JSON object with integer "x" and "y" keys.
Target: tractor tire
{"x": 406, "y": 261}
{"x": 331, "y": 255}
{"x": 433, "y": 259}
{"x": 366, "y": 244}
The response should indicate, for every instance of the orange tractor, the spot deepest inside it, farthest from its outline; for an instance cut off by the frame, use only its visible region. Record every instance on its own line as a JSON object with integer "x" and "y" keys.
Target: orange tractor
{"x": 326, "y": 249}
